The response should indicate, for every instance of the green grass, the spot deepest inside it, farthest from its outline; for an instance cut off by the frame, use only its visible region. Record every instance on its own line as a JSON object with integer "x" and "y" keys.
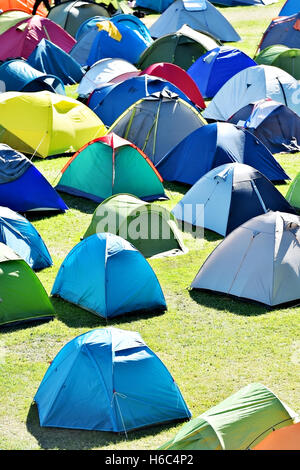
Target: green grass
{"x": 211, "y": 344}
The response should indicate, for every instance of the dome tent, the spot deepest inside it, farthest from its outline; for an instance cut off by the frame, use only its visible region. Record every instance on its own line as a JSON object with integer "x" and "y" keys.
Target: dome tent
{"x": 108, "y": 166}
{"x": 293, "y": 194}
{"x": 157, "y": 123}
{"x": 181, "y": 48}
{"x": 237, "y": 423}
{"x": 31, "y": 302}
{"x": 232, "y": 3}
{"x": 22, "y": 187}
{"x": 57, "y": 124}
{"x": 260, "y": 261}
{"x": 287, "y": 438}
{"x": 213, "y": 69}
{"x": 230, "y": 194}
{"x": 70, "y": 15}
{"x": 291, "y": 7}
{"x": 250, "y": 85}
{"x": 158, "y": 234}
{"x": 283, "y": 57}
{"x": 24, "y": 5}
{"x": 155, "y": 5}
{"x": 199, "y": 15}
{"x": 107, "y": 276}
{"x": 10, "y": 18}
{"x": 20, "y": 235}
{"x": 125, "y": 386}
{"x": 274, "y": 124}
{"x": 282, "y": 30}
{"x": 213, "y": 145}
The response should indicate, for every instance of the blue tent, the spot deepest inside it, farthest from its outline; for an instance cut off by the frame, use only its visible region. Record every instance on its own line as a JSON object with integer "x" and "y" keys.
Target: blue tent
{"x": 129, "y": 47}
{"x": 216, "y": 67}
{"x": 108, "y": 380}
{"x": 106, "y": 275}
{"x": 134, "y": 23}
{"x": 291, "y": 7}
{"x": 230, "y": 195}
{"x": 49, "y": 58}
{"x": 213, "y": 145}
{"x": 232, "y": 3}
{"x": 18, "y": 75}
{"x": 20, "y": 235}
{"x": 89, "y": 24}
{"x": 22, "y": 187}
{"x": 155, "y": 5}
{"x": 110, "y": 101}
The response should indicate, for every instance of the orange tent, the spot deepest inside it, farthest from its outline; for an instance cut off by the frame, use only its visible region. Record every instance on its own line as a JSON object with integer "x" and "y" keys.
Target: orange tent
{"x": 287, "y": 438}
{"x": 24, "y": 5}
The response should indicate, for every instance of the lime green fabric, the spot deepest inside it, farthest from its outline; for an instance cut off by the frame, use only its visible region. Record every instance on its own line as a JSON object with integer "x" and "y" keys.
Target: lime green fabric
{"x": 293, "y": 194}
{"x": 10, "y": 18}
{"x": 282, "y": 57}
{"x": 239, "y": 422}
{"x": 22, "y": 296}
{"x": 156, "y": 227}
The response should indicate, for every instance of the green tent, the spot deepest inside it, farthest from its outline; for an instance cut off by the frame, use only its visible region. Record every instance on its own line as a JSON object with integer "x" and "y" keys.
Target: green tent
{"x": 152, "y": 229}
{"x": 293, "y": 194}
{"x": 110, "y": 165}
{"x": 182, "y": 48}
{"x": 281, "y": 56}
{"x": 238, "y": 423}
{"x": 22, "y": 296}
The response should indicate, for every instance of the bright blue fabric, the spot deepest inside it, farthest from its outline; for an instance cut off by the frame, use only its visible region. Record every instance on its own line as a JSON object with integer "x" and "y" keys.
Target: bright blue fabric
{"x": 49, "y": 58}
{"x": 214, "y": 145}
{"x": 30, "y": 192}
{"x": 216, "y": 67}
{"x": 109, "y": 102}
{"x": 108, "y": 380}
{"x": 20, "y": 235}
{"x": 155, "y": 5}
{"x": 89, "y": 24}
{"x": 130, "y": 47}
{"x": 18, "y": 75}
{"x": 291, "y": 7}
{"x": 108, "y": 276}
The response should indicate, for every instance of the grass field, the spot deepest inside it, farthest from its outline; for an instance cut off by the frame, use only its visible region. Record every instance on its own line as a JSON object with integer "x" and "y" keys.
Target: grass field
{"x": 211, "y": 344}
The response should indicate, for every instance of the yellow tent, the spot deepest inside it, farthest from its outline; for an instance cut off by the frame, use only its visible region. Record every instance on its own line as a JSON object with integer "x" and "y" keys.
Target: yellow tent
{"x": 46, "y": 123}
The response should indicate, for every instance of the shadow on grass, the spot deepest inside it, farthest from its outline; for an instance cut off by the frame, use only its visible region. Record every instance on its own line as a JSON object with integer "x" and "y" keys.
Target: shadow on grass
{"x": 76, "y": 317}
{"x": 72, "y": 439}
{"x": 79, "y": 203}
{"x": 23, "y": 325}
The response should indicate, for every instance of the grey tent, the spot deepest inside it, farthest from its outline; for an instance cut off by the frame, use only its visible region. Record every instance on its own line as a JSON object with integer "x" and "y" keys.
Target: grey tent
{"x": 274, "y": 124}
{"x": 157, "y": 123}
{"x": 70, "y": 15}
{"x": 260, "y": 261}
{"x": 201, "y": 16}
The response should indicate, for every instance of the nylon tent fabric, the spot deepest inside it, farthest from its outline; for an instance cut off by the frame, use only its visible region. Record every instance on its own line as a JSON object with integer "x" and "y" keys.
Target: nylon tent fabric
{"x": 287, "y": 438}
{"x": 11, "y": 18}
{"x": 101, "y": 73}
{"x": 181, "y": 48}
{"x": 179, "y": 77}
{"x": 236, "y": 423}
{"x": 155, "y": 5}
{"x": 229, "y": 195}
{"x": 70, "y": 15}
{"x": 22, "y": 187}
{"x": 212, "y": 70}
{"x": 51, "y": 59}
{"x": 127, "y": 386}
{"x": 159, "y": 235}
{"x": 232, "y": 3}
{"x": 57, "y": 124}
{"x": 134, "y": 23}
{"x": 157, "y": 123}
{"x": 258, "y": 261}
{"x": 291, "y": 7}
{"x": 32, "y": 302}
{"x": 282, "y": 57}
{"x": 283, "y": 30}
{"x": 250, "y": 85}
{"x": 293, "y": 194}
{"x": 213, "y": 145}
{"x": 88, "y": 25}
{"x": 111, "y": 165}
{"x": 21, "y": 39}
{"x": 107, "y": 276}
{"x": 81, "y": 50}
{"x": 205, "y": 19}
{"x": 21, "y": 236}
{"x": 111, "y": 101}
{"x": 275, "y": 125}
{"x": 22, "y": 5}
{"x": 18, "y": 75}
{"x": 129, "y": 46}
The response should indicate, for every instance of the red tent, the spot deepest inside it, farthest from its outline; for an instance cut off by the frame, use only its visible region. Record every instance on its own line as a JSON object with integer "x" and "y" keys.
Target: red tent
{"x": 24, "y": 5}
{"x": 21, "y": 39}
